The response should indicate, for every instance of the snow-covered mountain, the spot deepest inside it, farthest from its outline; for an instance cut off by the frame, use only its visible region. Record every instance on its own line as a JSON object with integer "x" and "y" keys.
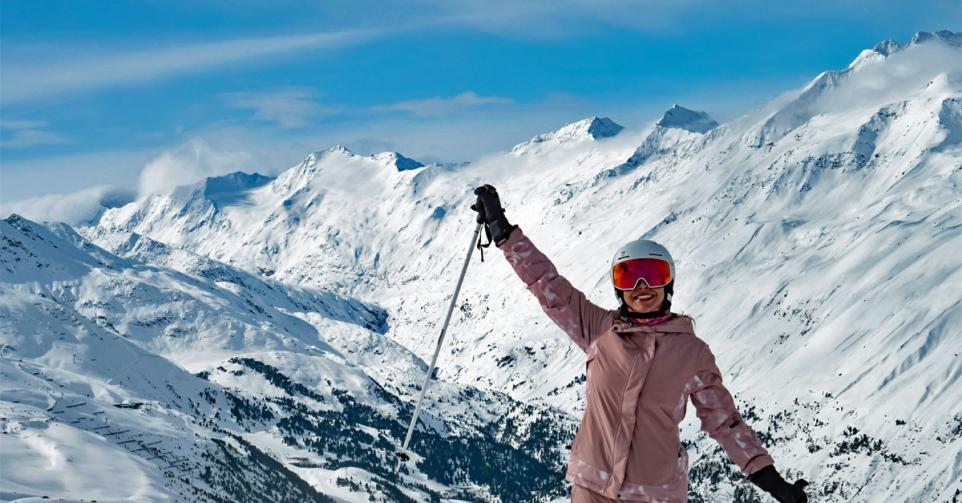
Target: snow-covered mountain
{"x": 587, "y": 130}
{"x": 98, "y": 349}
{"x": 816, "y": 240}
{"x": 682, "y": 118}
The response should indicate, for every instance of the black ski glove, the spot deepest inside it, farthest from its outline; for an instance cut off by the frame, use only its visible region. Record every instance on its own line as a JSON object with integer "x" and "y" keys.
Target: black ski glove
{"x": 769, "y": 480}
{"x": 491, "y": 213}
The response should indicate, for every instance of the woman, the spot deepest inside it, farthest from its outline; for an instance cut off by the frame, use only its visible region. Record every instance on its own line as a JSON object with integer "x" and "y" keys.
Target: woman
{"x": 643, "y": 363}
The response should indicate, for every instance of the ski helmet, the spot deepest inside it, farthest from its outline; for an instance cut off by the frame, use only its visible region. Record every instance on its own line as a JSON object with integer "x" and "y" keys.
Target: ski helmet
{"x": 644, "y": 249}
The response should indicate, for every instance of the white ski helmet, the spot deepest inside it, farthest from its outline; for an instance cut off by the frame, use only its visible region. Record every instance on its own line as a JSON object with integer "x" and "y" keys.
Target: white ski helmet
{"x": 643, "y": 248}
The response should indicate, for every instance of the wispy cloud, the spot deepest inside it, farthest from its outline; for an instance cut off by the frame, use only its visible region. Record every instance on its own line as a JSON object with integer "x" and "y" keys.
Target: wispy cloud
{"x": 559, "y": 18}
{"x": 28, "y": 133}
{"x": 73, "y": 208}
{"x": 31, "y": 81}
{"x": 288, "y": 108}
{"x": 564, "y": 18}
{"x": 442, "y": 106}
{"x": 192, "y": 161}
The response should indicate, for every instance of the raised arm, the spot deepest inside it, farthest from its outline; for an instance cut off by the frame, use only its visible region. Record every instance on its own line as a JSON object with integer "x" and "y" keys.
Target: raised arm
{"x": 564, "y": 304}
{"x": 567, "y": 306}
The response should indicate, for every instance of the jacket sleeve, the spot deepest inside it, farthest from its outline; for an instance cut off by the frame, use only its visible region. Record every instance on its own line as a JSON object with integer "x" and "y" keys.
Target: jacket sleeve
{"x": 564, "y": 304}
{"x": 721, "y": 420}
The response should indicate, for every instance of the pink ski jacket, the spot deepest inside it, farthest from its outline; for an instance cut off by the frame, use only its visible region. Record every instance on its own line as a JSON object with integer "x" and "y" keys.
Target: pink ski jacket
{"x": 640, "y": 377}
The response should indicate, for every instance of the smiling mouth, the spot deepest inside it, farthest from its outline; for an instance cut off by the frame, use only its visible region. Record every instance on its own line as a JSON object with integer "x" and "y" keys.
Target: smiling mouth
{"x": 644, "y": 298}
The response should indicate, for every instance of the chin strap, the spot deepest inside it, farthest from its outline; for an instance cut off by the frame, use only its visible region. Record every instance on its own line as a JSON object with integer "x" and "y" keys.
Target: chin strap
{"x": 623, "y": 310}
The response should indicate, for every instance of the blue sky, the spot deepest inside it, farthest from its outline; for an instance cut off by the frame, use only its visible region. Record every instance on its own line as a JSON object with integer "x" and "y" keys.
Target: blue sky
{"x": 92, "y": 92}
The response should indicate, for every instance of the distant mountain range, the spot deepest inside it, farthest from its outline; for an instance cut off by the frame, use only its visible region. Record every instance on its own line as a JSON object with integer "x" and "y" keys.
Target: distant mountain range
{"x": 264, "y": 337}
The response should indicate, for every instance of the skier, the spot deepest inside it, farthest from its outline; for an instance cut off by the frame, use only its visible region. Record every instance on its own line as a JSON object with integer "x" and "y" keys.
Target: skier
{"x": 643, "y": 363}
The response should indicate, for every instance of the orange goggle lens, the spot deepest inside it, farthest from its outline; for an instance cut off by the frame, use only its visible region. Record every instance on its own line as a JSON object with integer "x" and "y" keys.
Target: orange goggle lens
{"x": 655, "y": 273}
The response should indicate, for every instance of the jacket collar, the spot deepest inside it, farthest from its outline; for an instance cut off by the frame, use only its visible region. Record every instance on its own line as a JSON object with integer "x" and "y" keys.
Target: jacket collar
{"x": 673, "y": 324}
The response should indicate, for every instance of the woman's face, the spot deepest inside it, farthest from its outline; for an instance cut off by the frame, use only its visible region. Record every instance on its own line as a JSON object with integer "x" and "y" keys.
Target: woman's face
{"x": 644, "y": 299}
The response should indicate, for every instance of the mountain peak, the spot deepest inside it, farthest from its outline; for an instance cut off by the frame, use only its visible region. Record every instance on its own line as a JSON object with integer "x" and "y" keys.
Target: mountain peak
{"x": 235, "y": 180}
{"x": 600, "y": 127}
{"x": 947, "y": 37}
{"x": 592, "y": 128}
{"x": 222, "y": 190}
{"x": 398, "y": 161}
{"x": 340, "y": 149}
{"x": 232, "y": 188}
{"x": 336, "y": 149}
{"x": 679, "y": 117}
{"x": 888, "y": 47}
{"x": 16, "y": 220}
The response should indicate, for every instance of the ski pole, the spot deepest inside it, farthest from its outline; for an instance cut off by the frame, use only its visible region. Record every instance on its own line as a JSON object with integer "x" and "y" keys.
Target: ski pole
{"x": 402, "y": 455}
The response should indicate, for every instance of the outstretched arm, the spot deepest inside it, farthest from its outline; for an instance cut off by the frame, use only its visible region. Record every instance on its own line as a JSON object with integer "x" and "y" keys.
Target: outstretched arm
{"x": 721, "y": 420}
{"x": 567, "y": 306}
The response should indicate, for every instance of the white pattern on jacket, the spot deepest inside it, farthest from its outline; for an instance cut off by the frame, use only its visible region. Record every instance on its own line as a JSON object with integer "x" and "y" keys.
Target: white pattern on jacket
{"x": 640, "y": 377}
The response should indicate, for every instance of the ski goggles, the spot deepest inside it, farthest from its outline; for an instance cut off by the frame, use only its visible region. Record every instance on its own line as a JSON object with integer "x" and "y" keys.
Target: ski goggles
{"x": 655, "y": 273}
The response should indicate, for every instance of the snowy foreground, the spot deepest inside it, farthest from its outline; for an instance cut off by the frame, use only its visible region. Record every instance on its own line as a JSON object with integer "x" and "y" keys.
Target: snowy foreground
{"x": 263, "y": 339}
